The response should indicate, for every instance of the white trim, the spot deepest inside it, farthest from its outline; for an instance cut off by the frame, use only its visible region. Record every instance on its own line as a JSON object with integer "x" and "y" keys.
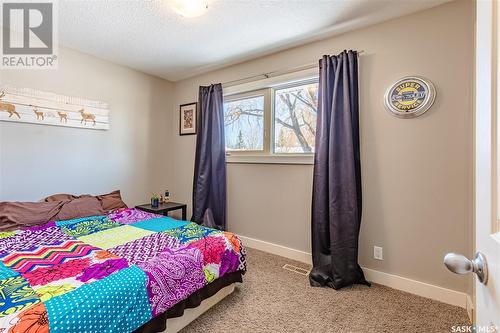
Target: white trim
{"x": 415, "y": 287}
{"x": 297, "y": 76}
{"x": 470, "y": 308}
{"x": 307, "y": 159}
{"x": 276, "y": 249}
{"x": 423, "y": 289}
{"x": 176, "y": 324}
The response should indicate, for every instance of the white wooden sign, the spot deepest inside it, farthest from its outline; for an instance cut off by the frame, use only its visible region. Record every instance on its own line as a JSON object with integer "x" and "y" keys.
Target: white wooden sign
{"x": 27, "y": 105}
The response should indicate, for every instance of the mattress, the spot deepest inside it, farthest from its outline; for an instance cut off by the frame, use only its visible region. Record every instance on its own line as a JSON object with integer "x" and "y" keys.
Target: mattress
{"x": 111, "y": 273}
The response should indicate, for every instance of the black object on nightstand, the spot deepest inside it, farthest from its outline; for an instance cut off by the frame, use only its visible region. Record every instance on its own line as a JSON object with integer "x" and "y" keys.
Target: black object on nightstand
{"x": 164, "y": 208}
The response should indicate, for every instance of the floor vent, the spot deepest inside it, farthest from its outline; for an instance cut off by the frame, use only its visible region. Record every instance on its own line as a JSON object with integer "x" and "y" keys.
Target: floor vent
{"x": 296, "y": 269}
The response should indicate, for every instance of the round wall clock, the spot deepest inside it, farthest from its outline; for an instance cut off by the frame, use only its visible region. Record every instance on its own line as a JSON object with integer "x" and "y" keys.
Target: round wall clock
{"x": 410, "y": 97}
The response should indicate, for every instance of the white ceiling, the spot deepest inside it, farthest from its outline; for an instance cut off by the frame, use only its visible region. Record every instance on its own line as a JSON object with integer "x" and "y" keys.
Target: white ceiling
{"x": 149, "y": 36}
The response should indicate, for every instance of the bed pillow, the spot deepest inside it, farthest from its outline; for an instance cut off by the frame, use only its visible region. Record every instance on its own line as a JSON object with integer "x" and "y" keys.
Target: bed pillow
{"x": 111, "y": 201}
{"x": 64, "y": 197}
{"x": 59, "y": 197}
{"x": 17, "y": 215}
{"x": 80, "y": 207}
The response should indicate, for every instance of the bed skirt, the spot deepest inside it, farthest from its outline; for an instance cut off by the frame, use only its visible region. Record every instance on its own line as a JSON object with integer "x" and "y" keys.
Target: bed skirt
{"x": 159, "y": 323}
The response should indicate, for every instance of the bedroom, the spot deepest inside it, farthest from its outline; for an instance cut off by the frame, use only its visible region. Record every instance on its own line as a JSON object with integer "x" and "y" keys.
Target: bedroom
{"x": 106, "y": 113}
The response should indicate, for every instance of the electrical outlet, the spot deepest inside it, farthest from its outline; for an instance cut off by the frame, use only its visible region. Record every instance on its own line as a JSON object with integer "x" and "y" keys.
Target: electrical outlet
{"x": 378, "y": 253}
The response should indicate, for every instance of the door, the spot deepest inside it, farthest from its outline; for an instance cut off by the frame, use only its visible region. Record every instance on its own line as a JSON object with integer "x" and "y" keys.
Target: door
{"x": 487, "y": 164}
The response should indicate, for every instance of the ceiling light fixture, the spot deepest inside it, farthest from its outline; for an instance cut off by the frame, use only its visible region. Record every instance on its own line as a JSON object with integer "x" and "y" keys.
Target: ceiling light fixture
{"x": 190, "y": 8}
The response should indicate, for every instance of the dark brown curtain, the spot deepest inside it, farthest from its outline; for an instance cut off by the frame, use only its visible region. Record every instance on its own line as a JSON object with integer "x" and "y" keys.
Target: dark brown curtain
{"x": 336, "y": 202}
{"x": 209, "y": 183}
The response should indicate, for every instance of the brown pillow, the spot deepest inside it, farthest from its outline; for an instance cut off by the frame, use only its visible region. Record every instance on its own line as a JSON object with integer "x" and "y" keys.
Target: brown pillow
{"x": 58, "y": 197}
{"x": 111, "y": 201}
{"x": 16, "y": 215}
{"x": 80, "y": 207}
{"x": 64, "y": 197}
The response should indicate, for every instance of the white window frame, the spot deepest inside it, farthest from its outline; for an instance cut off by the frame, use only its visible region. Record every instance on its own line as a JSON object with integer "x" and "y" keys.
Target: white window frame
{"x": 266, "y": 123}
{"x": 266, "y": 88}
{"x": 273, "y": 113}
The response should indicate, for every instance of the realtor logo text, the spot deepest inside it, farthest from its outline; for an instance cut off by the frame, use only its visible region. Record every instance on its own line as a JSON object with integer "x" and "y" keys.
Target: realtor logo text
{"x": 28, "y": 36}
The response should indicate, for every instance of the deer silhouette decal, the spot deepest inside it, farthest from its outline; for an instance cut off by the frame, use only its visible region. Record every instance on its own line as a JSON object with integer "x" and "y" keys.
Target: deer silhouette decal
{"x": 39, "y": 114}
{"x": 86, "y": 116}
{"x": 8, "y": 107}
{"x": 63, "y": 116}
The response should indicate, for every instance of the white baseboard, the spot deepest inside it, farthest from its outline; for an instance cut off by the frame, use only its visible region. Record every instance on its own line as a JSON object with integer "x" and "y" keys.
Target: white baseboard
{"x": 276, "y": 249}
{"x": 423, "y": 289}
{"x": 470, "y": 309}
{"x": 415, "y": 287}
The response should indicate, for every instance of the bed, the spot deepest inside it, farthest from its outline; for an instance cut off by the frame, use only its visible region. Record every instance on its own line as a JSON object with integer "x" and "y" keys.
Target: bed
{"x": 127, "y": 271}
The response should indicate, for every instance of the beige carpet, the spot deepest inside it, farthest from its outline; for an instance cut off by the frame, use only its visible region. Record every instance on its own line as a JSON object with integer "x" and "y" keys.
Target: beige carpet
{"x": 272, "y": 299}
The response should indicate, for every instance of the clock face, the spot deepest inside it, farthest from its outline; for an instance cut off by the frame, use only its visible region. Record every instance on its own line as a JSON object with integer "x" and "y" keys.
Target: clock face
{"x": 410, "y": 97}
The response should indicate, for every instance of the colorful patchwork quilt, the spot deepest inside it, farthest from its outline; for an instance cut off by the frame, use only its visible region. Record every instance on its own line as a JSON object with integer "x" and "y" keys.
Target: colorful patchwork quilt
{"x": 107, "y": 273}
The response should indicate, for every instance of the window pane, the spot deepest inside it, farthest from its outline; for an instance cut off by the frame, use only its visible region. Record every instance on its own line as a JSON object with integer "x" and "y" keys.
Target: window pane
{"x": 295, "y": 118}
{"x": 244, "y": 123}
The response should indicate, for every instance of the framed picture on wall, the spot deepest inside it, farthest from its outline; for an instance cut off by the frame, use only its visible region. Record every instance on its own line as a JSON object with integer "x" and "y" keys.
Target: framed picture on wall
{"x": 187, "y": 119}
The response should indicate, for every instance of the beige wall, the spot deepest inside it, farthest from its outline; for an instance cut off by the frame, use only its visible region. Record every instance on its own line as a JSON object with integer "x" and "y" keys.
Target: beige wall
{"x": 417, "y": 174}
{"x": 134, "y": 155}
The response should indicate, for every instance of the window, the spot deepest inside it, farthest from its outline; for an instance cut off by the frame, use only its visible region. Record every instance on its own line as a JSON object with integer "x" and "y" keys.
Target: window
{"x": 244, "y": 124}
{"x": 276, "y": 121}
{"x": 295, "y": 111}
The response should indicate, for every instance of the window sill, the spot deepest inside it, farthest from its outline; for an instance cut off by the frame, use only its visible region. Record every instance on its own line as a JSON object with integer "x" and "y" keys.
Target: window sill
{"x": 271, "y": 159}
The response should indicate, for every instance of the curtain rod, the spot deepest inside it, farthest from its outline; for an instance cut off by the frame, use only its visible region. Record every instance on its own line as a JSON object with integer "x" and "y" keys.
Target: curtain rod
{"x": 273, "y": 73}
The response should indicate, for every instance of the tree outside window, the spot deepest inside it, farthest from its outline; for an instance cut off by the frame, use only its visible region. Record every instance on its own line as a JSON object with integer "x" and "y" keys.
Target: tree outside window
{"x": 243, "y": 124}
{"x": 292, "y": 115}
{"x": 295, "y": 111}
